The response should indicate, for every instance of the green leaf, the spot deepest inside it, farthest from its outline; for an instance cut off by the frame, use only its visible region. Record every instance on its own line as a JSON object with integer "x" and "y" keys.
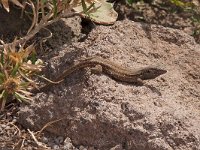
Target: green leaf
{"x": 130, "y": 1}
{"x": 18, "y": 98}
{"x": 2, "y": 76}
{"x": 15, "y": 69}
{"x": 2, "y": 57}
{"x": 44, "y": 1}
{"x": 100, "y": 12}
{"x": 177, "y": 2}
{"x": 55, "y": 8}
{"x": 21, "y": 98}
{"x": 2, "y": 94}
{"x": 33, "y": 58}
{"x": 3, "y": 103}
{"x": 84, "y": 5}
{"x": 3, "y": 98}
{"x": 92, "y": 5}
{"x": 25, "y": 84}
{"x": 85, "y": 8}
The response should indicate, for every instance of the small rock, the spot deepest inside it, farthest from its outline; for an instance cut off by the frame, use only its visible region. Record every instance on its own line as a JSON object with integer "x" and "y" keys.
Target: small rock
{"x": 59, "y": 140}
{"x": 45, "y": 140}
{"x": 82, "y": 148}
{"x": 67, "y": 140}
{"x": 56, "y": 147}
{"x": 117, "y": 147}
{"x": 91, "y": 148}
{"x": 67, "y": 144}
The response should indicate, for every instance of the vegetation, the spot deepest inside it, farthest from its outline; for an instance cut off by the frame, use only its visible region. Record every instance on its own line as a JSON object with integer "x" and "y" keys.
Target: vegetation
{"x": 17, "y": 66}
{"x": 16, "y": 71}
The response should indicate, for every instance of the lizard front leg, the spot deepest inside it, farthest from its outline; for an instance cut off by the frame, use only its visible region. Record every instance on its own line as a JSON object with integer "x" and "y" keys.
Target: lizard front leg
{"x": 97, "y": 69}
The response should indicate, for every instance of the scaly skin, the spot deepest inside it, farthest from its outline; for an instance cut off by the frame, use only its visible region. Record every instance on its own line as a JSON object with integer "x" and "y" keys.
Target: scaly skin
{"x": 113, "y": 70}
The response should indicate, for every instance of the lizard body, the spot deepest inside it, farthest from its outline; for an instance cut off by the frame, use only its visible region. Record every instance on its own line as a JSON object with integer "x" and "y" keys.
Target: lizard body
{"x": 113, "y": 70}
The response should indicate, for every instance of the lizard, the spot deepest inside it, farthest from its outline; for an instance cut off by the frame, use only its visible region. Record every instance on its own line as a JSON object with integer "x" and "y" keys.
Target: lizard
{"x": 113, "y": 70}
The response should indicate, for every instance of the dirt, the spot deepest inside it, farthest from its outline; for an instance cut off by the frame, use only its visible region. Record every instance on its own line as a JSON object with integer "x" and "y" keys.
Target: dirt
{"x": 89, "y": 111}
{"x": 13, "y": 24}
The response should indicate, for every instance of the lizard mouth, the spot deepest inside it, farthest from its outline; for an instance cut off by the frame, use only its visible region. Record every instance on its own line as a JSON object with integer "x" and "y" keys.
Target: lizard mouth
{"x": 151, "y": 73}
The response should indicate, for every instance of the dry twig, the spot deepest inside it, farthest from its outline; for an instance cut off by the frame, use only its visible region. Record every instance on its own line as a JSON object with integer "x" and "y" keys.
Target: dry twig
{"x": 45, "y": 20}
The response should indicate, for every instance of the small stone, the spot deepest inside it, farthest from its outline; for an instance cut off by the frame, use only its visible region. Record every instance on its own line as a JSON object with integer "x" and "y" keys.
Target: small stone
{"x": 91, "y": 148}
{"x": 14, "y": 120}
{"x": 68, "y": 146}
{"x": 117, "y": 147}
{"x": 56, "y": 147}
{"x": 7, "y": 127}
{"x": 3, "y": 126}
{"x": 59, "y": 140}
{"x": 82, "y": 148}
{"x": 67, "y": 140}
{"x": 45, "y": 140}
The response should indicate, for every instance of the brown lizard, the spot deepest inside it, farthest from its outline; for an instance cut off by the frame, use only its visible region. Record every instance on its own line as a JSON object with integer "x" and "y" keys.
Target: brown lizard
{"x": 113, "y": 70}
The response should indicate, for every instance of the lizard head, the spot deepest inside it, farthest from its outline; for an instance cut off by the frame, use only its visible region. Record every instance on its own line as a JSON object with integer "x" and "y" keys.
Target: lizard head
{"x": 151, "y": 73}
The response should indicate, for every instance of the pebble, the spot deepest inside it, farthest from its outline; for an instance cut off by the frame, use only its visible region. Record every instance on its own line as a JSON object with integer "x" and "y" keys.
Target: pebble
{"x": 67, "y": 144}
{"x": 56, "y": 147}
{"x": 82, "y": 148}
{"x": 59, "y": 140}
{"x": 45, "y": 140}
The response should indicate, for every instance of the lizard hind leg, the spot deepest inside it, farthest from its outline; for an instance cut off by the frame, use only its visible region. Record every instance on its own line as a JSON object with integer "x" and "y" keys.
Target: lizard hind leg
{"x": 139, "y": 82}
{"x": 97, "y": 69}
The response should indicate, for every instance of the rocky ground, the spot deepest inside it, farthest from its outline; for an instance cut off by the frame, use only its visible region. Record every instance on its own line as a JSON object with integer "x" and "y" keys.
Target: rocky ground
{"x": 89, "y": 111}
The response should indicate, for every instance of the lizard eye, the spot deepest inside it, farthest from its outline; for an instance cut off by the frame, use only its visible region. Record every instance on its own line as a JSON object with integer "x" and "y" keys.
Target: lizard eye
{"x": 148, "y": 71}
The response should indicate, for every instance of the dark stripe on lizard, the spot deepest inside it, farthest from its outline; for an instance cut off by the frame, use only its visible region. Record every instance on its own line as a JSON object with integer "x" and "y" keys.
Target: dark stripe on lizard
{"x": 113, "y": 70}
